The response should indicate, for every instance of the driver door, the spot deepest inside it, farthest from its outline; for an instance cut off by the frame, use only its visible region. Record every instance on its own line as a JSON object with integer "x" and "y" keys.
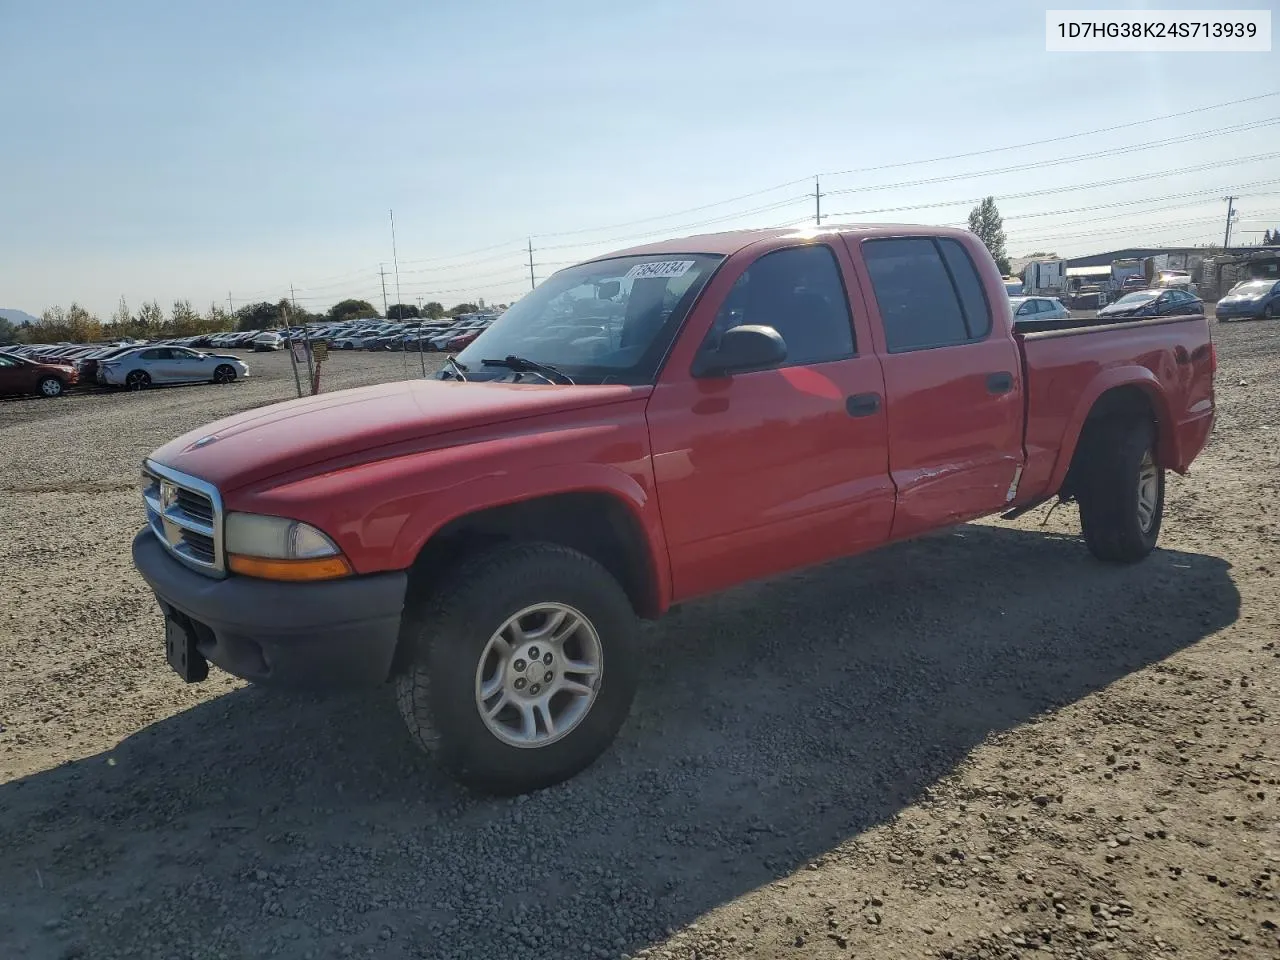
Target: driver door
{"x": 766, "y": 471}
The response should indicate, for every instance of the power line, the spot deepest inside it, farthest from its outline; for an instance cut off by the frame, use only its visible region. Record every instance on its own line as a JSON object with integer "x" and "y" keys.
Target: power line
{"x": 1078, "y": 186}
{"x": 1061, "y": 139}
{"x": 1059, "y": 161}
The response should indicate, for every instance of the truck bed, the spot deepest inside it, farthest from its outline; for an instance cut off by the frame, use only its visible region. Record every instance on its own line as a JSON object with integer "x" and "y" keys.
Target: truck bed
{"x": 1067, "y": 368}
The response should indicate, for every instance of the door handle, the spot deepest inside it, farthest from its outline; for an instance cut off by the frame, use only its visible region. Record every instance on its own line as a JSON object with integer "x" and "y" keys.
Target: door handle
{"x": 862, "y": 405}
{"x": 999, "y": 382}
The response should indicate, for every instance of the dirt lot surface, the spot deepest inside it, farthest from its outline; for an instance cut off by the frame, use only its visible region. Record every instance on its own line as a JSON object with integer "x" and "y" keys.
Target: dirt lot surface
{"x": 977, "y": 745}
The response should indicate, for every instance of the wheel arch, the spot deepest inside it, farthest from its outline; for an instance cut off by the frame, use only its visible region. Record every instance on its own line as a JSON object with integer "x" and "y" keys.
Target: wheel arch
{"x": 597, "y": 523}
{"x": 1119, "y": 394}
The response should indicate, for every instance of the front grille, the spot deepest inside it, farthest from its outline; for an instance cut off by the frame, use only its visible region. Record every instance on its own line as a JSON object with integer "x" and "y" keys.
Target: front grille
{"x": 185, "y": 514}
{"x": 195, "y": 505}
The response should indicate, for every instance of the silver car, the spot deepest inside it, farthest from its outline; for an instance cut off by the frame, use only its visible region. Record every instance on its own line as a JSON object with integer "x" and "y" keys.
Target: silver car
{"x": 1037, "y": 309}
{"x": 139, "y": 369}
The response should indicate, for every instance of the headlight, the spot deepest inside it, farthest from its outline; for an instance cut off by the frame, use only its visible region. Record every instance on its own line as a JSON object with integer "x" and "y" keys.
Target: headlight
{"x": 277, "y": 548}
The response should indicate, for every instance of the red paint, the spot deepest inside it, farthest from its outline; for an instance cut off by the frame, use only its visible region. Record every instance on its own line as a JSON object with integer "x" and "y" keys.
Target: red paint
{"x": 731, "y": 478}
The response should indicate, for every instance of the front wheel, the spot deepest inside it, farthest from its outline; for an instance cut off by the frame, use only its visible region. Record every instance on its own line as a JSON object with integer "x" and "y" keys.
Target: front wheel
{"x": 51, "y": 387}
{"x": 523, "y": 668}
{"x": 1121, "y": 495}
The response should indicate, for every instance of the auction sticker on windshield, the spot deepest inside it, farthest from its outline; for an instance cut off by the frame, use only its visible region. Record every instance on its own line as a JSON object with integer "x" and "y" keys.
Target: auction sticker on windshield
{"x": 660, "y": 268}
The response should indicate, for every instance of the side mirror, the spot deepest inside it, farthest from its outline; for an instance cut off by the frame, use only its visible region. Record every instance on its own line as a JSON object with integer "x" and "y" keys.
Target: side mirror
{"x": 742, "y": 349}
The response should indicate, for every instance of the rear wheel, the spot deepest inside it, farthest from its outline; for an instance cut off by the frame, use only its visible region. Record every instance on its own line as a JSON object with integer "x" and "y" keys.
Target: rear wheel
{"x": 51, "y": 387}
{"x": 1121, "y": 493}
{"x": 137, "y": 380}
{"x": 224, "y": 374}
{"x": 523, "y": 668}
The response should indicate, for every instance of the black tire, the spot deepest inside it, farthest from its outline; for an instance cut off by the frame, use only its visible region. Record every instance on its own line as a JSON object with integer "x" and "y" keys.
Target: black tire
{"x": 449, "y": 630}
{"x": 138, "y": 380}
{"x": 51, "y": 387}
{"x": 1110, "y": 502}
{"x": 224, "y": 373}
{"x": 1272, "y": 313}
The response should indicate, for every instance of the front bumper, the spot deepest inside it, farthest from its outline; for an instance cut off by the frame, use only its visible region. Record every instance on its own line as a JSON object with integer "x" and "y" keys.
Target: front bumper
{"x": 1239, "y": 312}
{"x": 328, "y": 635}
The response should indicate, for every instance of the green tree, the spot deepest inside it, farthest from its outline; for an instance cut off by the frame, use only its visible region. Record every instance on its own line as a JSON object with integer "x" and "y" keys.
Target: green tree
{"x": 150, "y": 319}
{"x": 122, "y": 318}
{"x": 184, "y": 320}
{"x": 402, "y": 311}
{"x": 433, "y": 310}
{"x": 8, "y": 332}
{"x": 986, "y": 222}
{"x": 217, "y": 319}
{"x": 458, "y": 309}
{"x": 352, "y": 310}
{"x": 1268, "y": 238}
{"x": 258, "y": 316}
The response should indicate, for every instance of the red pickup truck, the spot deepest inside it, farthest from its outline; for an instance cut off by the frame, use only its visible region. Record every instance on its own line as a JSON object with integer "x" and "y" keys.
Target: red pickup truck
{"x": 643, "y": 428}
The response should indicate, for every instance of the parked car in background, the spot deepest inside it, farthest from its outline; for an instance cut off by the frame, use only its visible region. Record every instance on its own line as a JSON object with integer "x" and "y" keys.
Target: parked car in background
{"x": 1152, "y": 303}
{"x": 1030, "y": 310}
{"x": 140, "y": 368}
{"x": 88, "y": 365}
{"x": 1252, "y": 300}
{"x": 268, "y": 340}
{"x": 20, "y": 376}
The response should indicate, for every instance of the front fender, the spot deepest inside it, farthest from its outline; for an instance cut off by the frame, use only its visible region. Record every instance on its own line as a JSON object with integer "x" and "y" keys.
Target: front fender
{"x": 1167, "y": 452}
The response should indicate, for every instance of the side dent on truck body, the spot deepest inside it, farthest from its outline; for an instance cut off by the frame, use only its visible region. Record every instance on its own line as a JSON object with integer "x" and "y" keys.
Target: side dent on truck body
{"x": 381, "y": 513}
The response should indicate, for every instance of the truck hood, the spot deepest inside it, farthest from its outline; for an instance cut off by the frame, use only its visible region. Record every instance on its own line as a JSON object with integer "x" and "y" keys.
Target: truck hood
{"x": 258, "y": 444}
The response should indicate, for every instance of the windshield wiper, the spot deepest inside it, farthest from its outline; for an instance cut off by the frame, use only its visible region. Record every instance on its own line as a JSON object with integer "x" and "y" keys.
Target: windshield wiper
{"x": 522, "y": 365}
{"x": 459, "y": 369}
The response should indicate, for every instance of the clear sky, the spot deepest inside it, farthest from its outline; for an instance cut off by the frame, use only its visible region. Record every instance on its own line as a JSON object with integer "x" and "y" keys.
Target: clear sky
{"x": 164, "y": 149}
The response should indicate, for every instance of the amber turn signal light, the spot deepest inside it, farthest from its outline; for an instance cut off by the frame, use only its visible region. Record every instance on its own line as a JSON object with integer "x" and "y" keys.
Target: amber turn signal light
{"x": 318, "y": 568}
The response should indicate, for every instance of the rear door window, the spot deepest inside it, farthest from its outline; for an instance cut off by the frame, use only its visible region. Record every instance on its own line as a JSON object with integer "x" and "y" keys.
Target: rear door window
{"x": 928, "y": 292}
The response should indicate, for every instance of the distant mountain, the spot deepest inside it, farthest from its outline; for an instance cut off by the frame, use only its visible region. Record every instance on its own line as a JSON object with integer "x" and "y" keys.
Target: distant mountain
{"x": 16, "y": 317}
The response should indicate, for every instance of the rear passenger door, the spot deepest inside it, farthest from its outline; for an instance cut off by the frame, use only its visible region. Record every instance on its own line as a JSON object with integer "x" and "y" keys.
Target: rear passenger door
{"x": 953, "y": 381}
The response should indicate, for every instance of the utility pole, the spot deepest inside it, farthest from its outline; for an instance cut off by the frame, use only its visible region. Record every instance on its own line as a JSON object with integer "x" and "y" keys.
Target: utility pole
{"x": 306, "y": 339}
{"x": 293, "y": 357}
{"x": 394, "y": 258}
{"x": 531, "y": 282}
{"x": 383, "y": 274}
{"x": 817, "y": 200}
{"x": 1226, "y": 240}
{"x": 230, "y": 306}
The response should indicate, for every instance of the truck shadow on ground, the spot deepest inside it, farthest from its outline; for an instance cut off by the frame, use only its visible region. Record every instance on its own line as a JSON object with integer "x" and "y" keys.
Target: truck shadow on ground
{"x": 775, "y": 724}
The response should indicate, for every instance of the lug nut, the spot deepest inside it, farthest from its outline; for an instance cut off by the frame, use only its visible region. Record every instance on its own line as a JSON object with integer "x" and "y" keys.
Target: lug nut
{"x": 533, "y": 653}
{"x": 520, "y": 665}
{"x": 548, "y": 677}
{"x": 519, "y": 684}
{"x": 535, "y": 689}
{"x": 547, "y": 658}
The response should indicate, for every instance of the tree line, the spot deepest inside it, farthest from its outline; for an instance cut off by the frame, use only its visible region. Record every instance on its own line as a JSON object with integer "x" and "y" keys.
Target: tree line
{"x": 75, "y": 324}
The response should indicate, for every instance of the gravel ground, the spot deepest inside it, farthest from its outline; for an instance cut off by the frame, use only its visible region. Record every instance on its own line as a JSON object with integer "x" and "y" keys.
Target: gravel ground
{"x": 975, "y": 745}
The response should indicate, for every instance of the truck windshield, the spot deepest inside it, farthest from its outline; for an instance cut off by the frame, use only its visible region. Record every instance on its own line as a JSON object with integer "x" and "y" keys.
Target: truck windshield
{"x": 605, "y": 321}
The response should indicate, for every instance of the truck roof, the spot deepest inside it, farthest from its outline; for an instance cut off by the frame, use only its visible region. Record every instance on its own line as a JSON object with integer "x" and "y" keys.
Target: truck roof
{"x": 732, "y": 241}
